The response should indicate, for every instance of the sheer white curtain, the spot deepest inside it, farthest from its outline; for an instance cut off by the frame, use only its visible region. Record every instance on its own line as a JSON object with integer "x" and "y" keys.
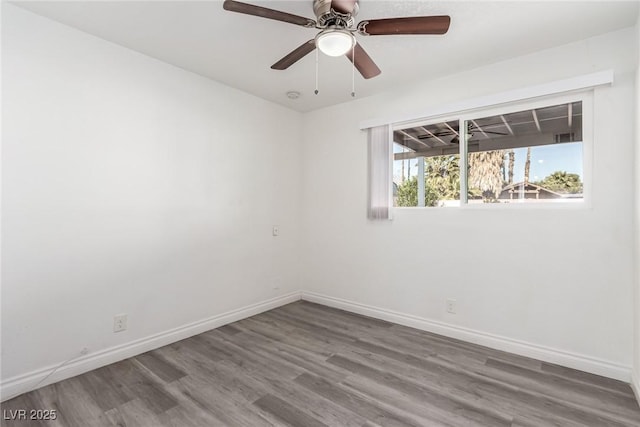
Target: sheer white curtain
{"x": 380, "y": 193}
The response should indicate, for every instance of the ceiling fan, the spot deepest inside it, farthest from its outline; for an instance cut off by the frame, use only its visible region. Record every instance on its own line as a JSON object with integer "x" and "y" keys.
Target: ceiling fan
{"x": 471, "y": 129}
{"x": 335, "y": 20}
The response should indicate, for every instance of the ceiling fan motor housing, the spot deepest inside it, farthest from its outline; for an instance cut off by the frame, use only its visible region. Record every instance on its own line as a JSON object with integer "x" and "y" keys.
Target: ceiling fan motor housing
{"x": 328, "y": 16}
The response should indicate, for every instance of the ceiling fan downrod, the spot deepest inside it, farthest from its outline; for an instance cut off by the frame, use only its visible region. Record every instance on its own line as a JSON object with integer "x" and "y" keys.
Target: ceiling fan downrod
{"x": 353, "y": 72}
{"x": 337, "y": 13}
{"x": 317, "y": 55}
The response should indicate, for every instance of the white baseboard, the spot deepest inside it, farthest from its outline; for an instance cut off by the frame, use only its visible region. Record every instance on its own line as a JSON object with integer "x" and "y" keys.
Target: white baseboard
{"x": 551, "y": 355}
{"x": 17, "y": 385}
{"x": 635, "y": 386}
{"x": 20, "y": 384}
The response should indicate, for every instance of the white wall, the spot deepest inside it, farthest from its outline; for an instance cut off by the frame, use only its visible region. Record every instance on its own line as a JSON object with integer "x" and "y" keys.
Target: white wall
{"x": 580, "y": 305}
{"x": 131, "y": 186}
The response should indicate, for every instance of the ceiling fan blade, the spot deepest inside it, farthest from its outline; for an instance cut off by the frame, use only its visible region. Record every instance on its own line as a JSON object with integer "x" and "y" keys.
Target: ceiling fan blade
{"x": 435, "y": 135}
{"x": 263, "y": 12}
{"x": 363, "y": 62}
{"x": 410, "y": 25}
{"x": 343, "y": 6}
{"x": 296, "y": 55}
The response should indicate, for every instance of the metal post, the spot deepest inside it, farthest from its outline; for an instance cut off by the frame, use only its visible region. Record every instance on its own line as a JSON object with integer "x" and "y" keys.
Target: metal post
{"x": 462, "y": 131}
{"x": 421, "y": 182}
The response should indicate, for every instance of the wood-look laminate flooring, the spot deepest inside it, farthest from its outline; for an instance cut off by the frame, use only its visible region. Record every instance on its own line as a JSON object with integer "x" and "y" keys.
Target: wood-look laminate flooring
{"x": 307, "y": 365}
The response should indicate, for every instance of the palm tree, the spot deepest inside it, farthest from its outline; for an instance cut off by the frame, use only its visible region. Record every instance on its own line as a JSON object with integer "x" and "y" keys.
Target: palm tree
{"x": 441, "y": 182}
{"x": 512, "y": 161}
{"x": 442, "y": 176}
{"x": 527, "y": 166}
{"x": 485, "y": 173}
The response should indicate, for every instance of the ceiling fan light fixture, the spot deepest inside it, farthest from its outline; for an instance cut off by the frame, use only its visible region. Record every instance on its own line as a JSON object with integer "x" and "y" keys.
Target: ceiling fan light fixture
{"x": 334, "y": 42}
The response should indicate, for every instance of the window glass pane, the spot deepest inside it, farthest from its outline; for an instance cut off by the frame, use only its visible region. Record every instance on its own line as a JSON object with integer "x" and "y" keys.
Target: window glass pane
{"x": 426, "y": 167}
{"x": 531, "y": 156}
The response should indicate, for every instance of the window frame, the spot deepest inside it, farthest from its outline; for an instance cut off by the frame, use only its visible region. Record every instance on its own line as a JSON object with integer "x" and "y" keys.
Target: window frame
{"x": 584, "y": 96}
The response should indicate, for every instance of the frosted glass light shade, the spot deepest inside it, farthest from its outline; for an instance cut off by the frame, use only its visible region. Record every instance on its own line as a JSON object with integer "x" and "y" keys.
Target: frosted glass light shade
{"x": 335, "y": 42}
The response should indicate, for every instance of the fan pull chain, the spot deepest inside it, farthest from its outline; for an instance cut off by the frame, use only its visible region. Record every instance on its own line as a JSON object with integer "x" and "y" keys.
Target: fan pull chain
{"x": 353, "y": 71}
{"x": 316, "y": 91}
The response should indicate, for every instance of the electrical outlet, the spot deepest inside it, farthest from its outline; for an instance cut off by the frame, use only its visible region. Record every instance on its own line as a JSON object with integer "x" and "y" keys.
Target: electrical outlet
{"x": 120, "y": 323}
{"x": 275, "y": 231}
{"x": 451, "y": 306}
{"x": 84, "y": 351}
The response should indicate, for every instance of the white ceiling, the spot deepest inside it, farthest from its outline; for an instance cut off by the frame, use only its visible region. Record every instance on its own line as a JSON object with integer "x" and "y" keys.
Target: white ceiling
{"x": 238, "y": 50}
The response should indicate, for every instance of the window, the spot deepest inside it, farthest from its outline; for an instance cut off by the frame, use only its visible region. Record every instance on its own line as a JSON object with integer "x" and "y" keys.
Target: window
{"x": 426, "y": 167}
{"x": 526, "y": 156}
{"x": 522, "y": 155}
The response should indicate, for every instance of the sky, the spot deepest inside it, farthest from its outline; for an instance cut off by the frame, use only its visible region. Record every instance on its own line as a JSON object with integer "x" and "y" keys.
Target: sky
{"x": 546, "y": 159}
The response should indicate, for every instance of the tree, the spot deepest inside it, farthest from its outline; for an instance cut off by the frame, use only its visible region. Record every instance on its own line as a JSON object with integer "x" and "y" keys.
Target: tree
{"x": 527, "y": 166}
{"x": 512, "y": 161}
{"x": 441, "y": 182}
{"x": 442, "y": 176}
{"x": 485, "y": 174}
{"x": 408, "y": 194}
{"x": 562, "y": 182}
